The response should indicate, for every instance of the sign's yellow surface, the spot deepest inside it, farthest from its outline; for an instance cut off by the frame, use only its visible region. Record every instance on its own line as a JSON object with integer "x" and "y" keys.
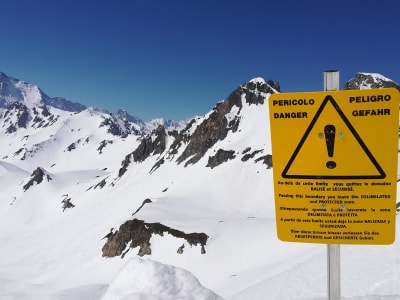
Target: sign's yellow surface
{"x": 335, "y": 165}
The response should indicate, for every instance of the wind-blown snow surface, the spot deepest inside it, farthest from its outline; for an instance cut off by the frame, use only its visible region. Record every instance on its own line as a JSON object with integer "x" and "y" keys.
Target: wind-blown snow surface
{"x": 48, "y": 253}
{"x": 160, "y": 282}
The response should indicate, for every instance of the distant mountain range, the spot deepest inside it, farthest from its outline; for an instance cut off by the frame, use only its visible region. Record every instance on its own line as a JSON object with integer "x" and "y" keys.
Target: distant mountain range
{"x": 80, "y": 184}
{"x": 17, "y": 91}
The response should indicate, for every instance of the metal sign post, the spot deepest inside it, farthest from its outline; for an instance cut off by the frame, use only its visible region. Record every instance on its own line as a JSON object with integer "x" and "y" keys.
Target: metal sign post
{"x": 331, "y": 83}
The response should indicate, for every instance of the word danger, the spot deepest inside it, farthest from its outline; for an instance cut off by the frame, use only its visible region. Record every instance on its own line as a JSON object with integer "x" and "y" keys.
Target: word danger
{"x": 291, "y": 115}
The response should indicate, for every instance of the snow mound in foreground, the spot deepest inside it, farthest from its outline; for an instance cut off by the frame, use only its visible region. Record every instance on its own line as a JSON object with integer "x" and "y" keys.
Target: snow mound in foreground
{"x": 149, "y": 280}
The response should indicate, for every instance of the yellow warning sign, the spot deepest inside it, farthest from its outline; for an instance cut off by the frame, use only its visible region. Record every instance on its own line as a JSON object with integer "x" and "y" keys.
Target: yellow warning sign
{"x": 335, "y": 165}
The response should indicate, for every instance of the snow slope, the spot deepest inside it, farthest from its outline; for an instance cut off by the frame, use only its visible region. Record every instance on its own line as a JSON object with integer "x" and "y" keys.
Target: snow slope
{"x": 50, "y": 253}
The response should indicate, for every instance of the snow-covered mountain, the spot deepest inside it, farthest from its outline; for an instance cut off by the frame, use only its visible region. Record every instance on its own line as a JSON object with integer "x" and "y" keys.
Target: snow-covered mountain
{"x": 31, "y": 103}
{"x": 364, "y": 80}
{"x": 14, "y": 90}
{"x": 103, "y": 206}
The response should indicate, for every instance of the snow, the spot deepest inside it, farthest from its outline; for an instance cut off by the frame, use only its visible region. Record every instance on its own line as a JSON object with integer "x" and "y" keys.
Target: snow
{"x": 31, "y": 94}
{"x": 376, "y": 77}
{"x": 7, "y": 89}
{"x": 148, "y": 280}
{"x": 257, "y": 80}
{"x": 48, "y": 253}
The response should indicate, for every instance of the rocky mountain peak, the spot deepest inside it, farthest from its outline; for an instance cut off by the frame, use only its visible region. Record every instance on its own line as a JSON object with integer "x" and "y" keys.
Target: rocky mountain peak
{"x": 223, "y": 118}
{"x": 201, "y": 134}
{"x": 363, "y": 81}
{"x": 125, "y": 116}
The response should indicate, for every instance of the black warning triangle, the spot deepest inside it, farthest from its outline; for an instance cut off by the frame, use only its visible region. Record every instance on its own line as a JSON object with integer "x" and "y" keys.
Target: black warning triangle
{"x": 312, "y": 167}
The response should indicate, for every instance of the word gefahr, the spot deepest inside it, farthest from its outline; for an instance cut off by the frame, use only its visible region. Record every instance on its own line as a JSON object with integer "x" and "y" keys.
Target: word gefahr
{"x": 371, "y": 112}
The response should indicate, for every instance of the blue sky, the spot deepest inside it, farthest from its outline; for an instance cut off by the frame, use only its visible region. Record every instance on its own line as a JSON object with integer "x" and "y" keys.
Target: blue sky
{"x": 176, "y": 59}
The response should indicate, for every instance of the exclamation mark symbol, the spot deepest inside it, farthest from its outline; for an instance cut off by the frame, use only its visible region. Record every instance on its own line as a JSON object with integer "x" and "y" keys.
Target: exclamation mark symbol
{"x": 330, "y": 132}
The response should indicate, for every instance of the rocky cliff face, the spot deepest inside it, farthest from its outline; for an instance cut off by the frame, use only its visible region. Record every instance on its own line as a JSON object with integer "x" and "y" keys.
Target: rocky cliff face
{"x": 193, "y": 142}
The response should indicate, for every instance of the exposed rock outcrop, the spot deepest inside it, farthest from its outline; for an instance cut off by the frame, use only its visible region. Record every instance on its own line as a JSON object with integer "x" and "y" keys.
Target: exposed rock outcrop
{"x": 145, "y": 201}
{"x": 121, "y": 124}
{"x": 152, "y": 144}
{"x": 211, "y": 130}
{"x": 247, "y": 156}
{"x": 220, "y": 157}
{"x": 137, "y": 233}
{"x": 66, "y": 203}
{"x": 37, "y": 177}
{"x": 266, "y": 159}
{"x": 103, "y": 144}
{"x": 19, "y": 112}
